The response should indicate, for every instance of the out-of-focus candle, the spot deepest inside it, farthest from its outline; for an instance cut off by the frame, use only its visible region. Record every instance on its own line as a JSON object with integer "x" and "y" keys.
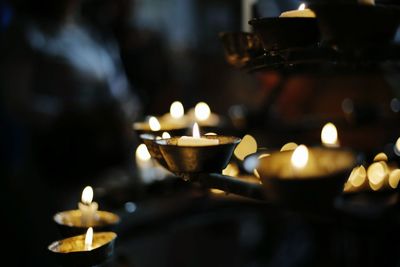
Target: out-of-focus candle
{"x": 299, "y": 157}
{"x": 87, "y": 207}
{"x": 329, "y": 135}
{"x": 154, "y": 124}
{"x": 176, "y": 110}
{"x": 302, "y": 11}
{"x": 196, "y": 139}
{"x": 202, "y": 111}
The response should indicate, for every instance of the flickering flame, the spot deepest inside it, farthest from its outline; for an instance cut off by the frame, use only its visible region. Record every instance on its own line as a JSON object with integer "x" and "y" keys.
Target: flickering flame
{"x": 196, "y": 130}
{"x": 166, "y": 135}
{"x": 302, "y": 6}
{"x": 329, "y": 135}
{"x": 202, "y": 111}
{"x": 154, "y": 124}
{"x": 299, "y": 157}
{"x": 89, "y": 238}
{"x": 376, "y": 173}
{"x": 87, "y": 195}
{"x": 176, "y": 110}
{"x": 142, "y": 153}
{"x": 358, "y": 176}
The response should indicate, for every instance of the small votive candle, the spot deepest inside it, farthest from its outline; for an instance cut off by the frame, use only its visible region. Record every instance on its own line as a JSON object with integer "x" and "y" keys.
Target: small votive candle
{"x": 196, "y": 139}
{"x": 88, "y": 207}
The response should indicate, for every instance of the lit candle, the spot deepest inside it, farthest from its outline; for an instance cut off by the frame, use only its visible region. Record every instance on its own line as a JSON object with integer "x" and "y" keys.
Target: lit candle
{"x": 302, "y": 11}
{"x": 196, "y": 139}
{"x": 329, "y": 135}
{"x": 87, "y": 207}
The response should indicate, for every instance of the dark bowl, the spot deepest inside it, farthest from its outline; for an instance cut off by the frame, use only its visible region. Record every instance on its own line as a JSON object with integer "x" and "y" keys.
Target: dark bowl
{"x": 240, "y": 47}
{"x": 288, "y": 32}
{"x": 150, "y": 141}
{"x": 354, "y": 25}
{"x": 92, "y": 257}
{"x": 182, "y": 160}
{"x": 69, "y": 222}
{"x": 311, "y": 191}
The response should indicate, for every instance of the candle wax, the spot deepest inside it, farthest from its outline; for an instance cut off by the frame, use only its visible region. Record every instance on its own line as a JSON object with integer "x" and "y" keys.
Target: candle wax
{"x": 305, "y": 13}
{"x": 196, "y": 141}
{"x": 88, "y": 213}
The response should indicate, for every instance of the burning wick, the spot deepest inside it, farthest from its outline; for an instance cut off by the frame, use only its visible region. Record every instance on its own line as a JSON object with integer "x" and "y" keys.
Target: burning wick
{"x": 89, "y": 238}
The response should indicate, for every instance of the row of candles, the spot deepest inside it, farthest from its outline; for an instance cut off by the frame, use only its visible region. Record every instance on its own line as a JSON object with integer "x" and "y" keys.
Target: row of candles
{"x": 378, "y": 175}
{"x": 90, "y": 247}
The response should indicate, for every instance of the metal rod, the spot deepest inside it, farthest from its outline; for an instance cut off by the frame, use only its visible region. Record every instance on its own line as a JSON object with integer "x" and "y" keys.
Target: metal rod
{"x": 229, "y": 184}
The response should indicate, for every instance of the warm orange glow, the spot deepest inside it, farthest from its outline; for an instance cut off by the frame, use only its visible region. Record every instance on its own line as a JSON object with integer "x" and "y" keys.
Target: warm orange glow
{"x": 216, "y": 191}
{"x": 231, "y": 170}
{"x": 299, "y": 157}
{"x": 329, "y": 135}
{"x": 176, "y": 110}
{"x": 202, "y": 111}
{"x": 166, "y": 135}
{"x": 302, "y": 6}
{"x": 89, "y": 239}
{"x": 154, "y": 124}
{"x": 289, "y": 146}
{"x": 196, "y": 130}
{"x": 381, "y": 157}
{"x": 210, "y": 133}
{"x": 358, "y": 176}
{"x": 247, "y": 146}
{"x": 142, "y": 153}
{"x": 376, "y": 173}
{"x": 394, "y": 178}
{"x": 87, "y": 195}
{"x": 256, "y": 174}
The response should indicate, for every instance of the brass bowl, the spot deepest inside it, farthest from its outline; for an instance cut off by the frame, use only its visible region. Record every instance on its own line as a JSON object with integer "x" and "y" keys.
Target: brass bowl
{"x": 240, "y": 47}
{"x": 314, "y": 189}
{"x": 279, "y": 33}
{"x": 70, "y": 252}
{"x": 69, "y": 222}
{"x": 354, "y": 25}
{"x": 183, "y": 160}
{"x": 150, "y": 141}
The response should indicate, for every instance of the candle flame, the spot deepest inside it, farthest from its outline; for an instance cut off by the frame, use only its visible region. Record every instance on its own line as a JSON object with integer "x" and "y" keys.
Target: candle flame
{"x": 154, "y": 124}
{"x": 176, "y": 110}
{"x": 166, "y": 135}
{"x": 142, "y": 152}
{"x": 202, "y": 111}
{"x": 329, "y": 135}
{"x": 302, "y": 6}
{"x": 289, "y": 146}
{"x": 89, "y": 238}
{"x": 87, "y": 195}
{"x": 196, "y": 130}
{"x": 299, "y": 157}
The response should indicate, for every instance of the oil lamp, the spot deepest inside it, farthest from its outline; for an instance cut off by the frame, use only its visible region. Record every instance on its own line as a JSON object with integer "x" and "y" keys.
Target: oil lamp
{"x": 88, "y": 249}
{"x": 75, "y": 222}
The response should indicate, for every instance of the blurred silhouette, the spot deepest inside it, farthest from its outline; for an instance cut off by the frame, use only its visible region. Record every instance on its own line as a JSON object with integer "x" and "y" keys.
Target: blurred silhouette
{"x": 67, "y": 109}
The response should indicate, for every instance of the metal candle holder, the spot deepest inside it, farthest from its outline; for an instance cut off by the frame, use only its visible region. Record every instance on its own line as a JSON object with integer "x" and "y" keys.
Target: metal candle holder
{"x": 69, "y": 222}
{"x": 72, "y": 252}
